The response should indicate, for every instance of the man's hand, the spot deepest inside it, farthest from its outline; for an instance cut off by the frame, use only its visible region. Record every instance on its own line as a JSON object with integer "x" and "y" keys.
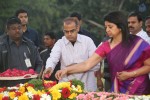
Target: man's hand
{"x": 100, "y": 84}
{"x": 60, "y": 73}
{"x": 99, "y": 76}
{"x": 47, "y": 73}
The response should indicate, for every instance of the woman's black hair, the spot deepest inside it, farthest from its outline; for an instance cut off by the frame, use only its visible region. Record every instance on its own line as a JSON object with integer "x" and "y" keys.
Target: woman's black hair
{"x": 119, "y": 19}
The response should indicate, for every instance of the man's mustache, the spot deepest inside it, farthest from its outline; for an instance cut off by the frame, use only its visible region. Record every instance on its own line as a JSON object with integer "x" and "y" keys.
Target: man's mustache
{"x": 131, "y": 27}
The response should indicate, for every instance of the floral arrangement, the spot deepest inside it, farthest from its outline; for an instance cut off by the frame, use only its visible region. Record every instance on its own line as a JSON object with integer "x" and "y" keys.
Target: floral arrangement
{"x": 110, "y": 96}
{"x": 37, "y": 89}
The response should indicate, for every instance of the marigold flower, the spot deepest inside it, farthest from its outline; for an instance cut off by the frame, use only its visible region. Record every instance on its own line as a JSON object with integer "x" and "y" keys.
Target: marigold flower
{"x": 79, "y": 88}
{"x": 22, "y": 89}
{"x": 23, "y": 97}
{"x": 56, "y": 94}
{"x": 1, "y": 96}
{"x": 12, "y": 95}
{"x": 73, "y": 95}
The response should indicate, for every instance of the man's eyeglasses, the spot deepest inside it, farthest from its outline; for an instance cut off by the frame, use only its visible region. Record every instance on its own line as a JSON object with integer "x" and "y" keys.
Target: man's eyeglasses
{"x": 70, "y": 31}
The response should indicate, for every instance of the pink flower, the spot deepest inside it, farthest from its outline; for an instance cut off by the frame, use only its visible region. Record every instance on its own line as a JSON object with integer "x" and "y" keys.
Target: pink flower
{"x": 31, "y": 71}
{"x": 80, "y": 97}
{"x": 89, "y": 96}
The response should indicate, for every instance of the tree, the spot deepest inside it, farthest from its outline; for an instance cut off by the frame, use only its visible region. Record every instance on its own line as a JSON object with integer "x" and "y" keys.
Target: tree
{"x": 47, "y": 15}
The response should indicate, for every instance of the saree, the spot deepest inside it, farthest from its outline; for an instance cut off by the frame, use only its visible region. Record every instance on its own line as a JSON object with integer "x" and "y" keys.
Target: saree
{"x": 129, "y": 58}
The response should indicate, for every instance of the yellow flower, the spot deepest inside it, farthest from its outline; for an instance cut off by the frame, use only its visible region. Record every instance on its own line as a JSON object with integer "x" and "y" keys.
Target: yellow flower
{"x": 56, "y": 94}
{"x": 12, "y": 95}
{"x": 73, "y": 95}
{"x": 40, "y": 92}
{"x": 30, "y": 89}
{"x": 23, "y": 97}
{"x": 22, "y": 89}
{"x": 79, "y": 88}
{"x": 1, "y": 96}
{"x": 61, "y": 85}
{"x": 46, "y": 81}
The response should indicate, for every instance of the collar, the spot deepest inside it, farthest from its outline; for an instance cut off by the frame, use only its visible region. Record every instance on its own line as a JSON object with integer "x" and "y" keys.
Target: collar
{"x": 78, "y": 39}
{"x": 26, "y": 31}
{"x": 141, "y": 31}
{"x": 11, "y": 41}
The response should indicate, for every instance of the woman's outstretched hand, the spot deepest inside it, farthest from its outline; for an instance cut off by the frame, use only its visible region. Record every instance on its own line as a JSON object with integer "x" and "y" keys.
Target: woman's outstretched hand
{"x": 60, "y": 73}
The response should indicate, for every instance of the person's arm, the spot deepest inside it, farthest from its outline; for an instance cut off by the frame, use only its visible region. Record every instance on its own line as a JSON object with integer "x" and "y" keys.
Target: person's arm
{"x": 99, "y": 76}
{"x": 81, "y": 67}
{"x": 84, "y": 66}
{"x": 52, "y": 60}
{"x": 141, "y": 71}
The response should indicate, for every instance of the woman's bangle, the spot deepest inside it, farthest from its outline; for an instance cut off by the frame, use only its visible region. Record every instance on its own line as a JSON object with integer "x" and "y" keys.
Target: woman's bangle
{"x": 134, "y": 73}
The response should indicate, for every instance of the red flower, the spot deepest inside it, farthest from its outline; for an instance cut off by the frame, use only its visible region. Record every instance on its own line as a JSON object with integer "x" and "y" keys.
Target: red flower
{"x": 70, "y": 83}
{"x": 31, "y": 71}
{"x": 30, "y": 85}
{"x": 48, "y": 93}
{"x": 2, "y": 89}
{"x": 5, "y": 98}
{"x": 65, "y": 92}
{"x": 49, "y": 84}
{"x": 36, "y": 97}
{"x": 17, "y": 94}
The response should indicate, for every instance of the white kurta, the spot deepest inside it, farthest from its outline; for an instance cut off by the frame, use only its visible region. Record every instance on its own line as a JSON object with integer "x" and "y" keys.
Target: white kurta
{"x": 143, "y": 35}
{"x": 68, "y": 54}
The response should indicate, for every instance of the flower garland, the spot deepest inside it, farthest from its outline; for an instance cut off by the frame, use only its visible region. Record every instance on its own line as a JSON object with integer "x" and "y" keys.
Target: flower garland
{"x": 110, "y": 96}
{"x": 37, "y": 89}
{"x": 49, "y": 90}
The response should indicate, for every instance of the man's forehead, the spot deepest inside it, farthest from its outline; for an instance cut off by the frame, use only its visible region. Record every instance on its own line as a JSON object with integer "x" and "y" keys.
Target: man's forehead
{"x": 47, "y": 37}
{"x": 22, "y": 14}
{"x": 67, "y": 25}
{"x": 147, "y": 21}
{"x": 15, "y": 25}
{"x": 69, "y": 22}
{"x": 133, "y": 18}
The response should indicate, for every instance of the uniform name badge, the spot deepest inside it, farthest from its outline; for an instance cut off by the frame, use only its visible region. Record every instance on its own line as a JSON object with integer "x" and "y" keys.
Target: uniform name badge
{"x": 27, "y": 62}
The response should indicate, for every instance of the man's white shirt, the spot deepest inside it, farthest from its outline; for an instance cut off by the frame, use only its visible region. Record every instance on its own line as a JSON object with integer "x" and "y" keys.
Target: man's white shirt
{"x": 68, "y": 54}
{"x": 143, "y": 35}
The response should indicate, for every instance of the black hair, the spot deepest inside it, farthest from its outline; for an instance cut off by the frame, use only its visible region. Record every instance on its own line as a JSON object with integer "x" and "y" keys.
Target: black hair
{"x": 12, "y": 20}
{"x": 136, "y": 14}
{"x": 119, "y": 19}
{"x": 76, "y": 14}
{"x": 20, "y": 11}
{"x": 148, "y": 17}
{"x": 51, "y": 35}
